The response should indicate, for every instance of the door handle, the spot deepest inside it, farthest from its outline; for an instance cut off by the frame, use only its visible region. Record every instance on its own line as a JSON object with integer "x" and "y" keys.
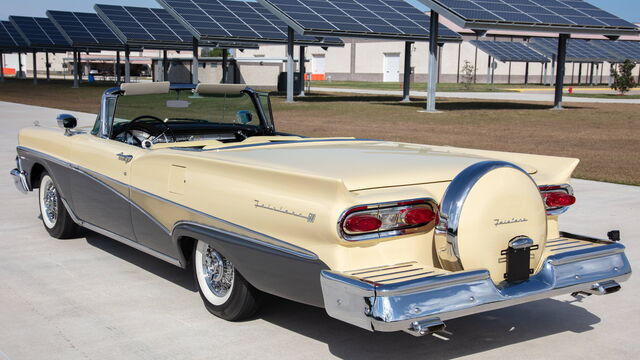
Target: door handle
{"x": 124, "y": 157}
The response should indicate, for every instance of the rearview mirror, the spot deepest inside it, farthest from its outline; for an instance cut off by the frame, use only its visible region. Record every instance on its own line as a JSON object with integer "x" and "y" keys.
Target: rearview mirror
{"x": 67, "y": 121}
{"x": 244, "y": 117}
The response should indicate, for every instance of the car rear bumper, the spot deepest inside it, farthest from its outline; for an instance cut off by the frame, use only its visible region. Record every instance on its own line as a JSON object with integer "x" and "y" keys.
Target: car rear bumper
{"x": 20, "y": 178}
{"x": 420, "y": 306}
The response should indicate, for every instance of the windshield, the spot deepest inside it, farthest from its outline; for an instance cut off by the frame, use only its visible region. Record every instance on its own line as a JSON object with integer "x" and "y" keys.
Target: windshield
{"x": 182, "y": 106}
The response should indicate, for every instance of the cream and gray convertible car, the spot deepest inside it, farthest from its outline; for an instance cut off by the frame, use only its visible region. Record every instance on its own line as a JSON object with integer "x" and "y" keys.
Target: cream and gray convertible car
{"x": 386, "y": 236}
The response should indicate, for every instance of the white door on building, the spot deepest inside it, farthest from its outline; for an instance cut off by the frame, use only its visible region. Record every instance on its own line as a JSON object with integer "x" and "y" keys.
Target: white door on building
{"x": 391, "y": 71}
{"x": 317, "y": 64}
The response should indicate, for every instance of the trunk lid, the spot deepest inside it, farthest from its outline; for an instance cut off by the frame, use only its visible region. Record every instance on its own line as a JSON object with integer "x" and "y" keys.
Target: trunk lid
{"x": 359, "y": 164}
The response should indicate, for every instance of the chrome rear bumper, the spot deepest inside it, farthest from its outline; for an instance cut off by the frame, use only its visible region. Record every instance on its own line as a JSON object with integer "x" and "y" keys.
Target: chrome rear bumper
{"x": 419, "y": 305}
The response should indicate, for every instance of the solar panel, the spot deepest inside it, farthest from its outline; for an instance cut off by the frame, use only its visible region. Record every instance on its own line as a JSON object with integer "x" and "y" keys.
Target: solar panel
{"x": 509, "y": 51}
{"x": 234, "y": 20}
{"x": 624, "y": 49}
{"x": 394, "y": 19}
{"x": 39, "y": 32}
{"x": 571, "y": 15}
{"x": 84, "y": 29}
{"x": 10, "y": 38}
{"x": 578, "y": 50}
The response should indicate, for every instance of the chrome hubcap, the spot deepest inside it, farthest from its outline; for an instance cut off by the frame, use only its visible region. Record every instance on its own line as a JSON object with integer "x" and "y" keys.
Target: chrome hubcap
{"x": 51, "y": 202}
{"x": 218, "y": 272}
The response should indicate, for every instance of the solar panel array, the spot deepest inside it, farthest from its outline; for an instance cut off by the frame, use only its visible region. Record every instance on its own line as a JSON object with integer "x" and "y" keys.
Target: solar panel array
{"x": 371, "y": 18}
{"x": 233, "y": 20}
{"x": 39, "y": 32}
{"x": 137, "y": 24}
{"x": 84, "y": 29}
{"x": 509, "y": 51}
{"x": 625, "y": 49}
{"x": 569, "y": 13}
{"x": 578, "y": 50}
{"x": 10, "y": 38}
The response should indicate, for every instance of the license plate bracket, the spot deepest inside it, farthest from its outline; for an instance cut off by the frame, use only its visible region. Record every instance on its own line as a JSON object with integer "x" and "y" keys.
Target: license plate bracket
{"x": 518, "y": 263}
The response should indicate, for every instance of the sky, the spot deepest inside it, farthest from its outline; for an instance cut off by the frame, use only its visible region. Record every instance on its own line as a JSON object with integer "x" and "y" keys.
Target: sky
{"x": 627, "y": 9}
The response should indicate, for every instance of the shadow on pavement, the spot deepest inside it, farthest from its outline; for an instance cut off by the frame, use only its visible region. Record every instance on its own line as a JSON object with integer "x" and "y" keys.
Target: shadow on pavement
{"x": 472, "y": 334}
{"x": 176, "y": 275}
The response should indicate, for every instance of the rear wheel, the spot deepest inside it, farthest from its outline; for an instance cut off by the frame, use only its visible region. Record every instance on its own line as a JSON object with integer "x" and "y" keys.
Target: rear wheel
{"x": 55, "y": 217}
{"x": 225, "y": 293}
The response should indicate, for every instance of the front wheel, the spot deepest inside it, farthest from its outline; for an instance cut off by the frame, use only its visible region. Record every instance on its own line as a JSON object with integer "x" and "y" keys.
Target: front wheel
{"x": 225, "y": 293}
{"x": 55, "y": 217}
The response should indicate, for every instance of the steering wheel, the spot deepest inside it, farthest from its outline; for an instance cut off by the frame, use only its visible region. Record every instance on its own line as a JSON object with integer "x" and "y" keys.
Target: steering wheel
{"x": 150, "y": 129}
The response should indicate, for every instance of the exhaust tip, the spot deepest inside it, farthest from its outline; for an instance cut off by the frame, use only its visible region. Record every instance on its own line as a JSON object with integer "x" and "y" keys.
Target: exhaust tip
{"x": 606, "y": 287}
{"x": 426, "y": 327}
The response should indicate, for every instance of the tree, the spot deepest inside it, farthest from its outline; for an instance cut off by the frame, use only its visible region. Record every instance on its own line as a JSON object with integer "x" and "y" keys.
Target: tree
{"x": 623, "y": 80}
{"x": 467, "y": 74}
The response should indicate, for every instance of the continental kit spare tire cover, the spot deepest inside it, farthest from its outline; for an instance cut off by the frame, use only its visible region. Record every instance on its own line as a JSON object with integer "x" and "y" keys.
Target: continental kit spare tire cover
{"x": 485, "y": 207}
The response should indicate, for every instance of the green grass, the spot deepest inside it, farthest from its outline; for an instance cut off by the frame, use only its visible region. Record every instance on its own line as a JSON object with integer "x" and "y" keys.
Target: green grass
{"x": 605, "y": 96}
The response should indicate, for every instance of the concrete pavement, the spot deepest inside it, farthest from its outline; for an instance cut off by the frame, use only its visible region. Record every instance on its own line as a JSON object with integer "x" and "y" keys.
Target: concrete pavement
{"x": 94, "y": 298}
{"x": 511, "y": 96}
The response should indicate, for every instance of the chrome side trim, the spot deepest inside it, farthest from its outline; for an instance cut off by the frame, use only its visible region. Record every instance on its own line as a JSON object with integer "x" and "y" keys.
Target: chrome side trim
{"x": 396, "y": 306}
{"x": 253, "y": 236}
{"x": 119, "y": 238}
{"x": 277, "y": 245}
{"x": 446, "y": 234}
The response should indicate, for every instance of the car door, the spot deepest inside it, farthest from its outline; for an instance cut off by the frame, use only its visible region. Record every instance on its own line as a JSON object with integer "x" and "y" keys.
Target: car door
{"x": 101, "y": 185}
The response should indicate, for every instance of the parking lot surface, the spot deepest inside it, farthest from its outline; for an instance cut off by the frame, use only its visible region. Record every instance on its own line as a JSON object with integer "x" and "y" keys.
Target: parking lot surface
{"x": 94, "y": 298}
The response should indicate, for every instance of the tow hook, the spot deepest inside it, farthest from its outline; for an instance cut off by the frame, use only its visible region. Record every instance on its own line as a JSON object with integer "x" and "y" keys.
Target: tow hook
{"x": 426, "y": 327}
{"x": 601, "y": 288}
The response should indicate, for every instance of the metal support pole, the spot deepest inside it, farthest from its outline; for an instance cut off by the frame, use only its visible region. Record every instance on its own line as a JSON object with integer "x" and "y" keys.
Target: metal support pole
{"x": 433, "y": 62}
{"x": 459, "y": 56}
{"x": 526, "y": 73}
{"x": 573, "y": 70}
{"x": 406, "y": 86}
{"x": 127, "y": 64}
{"x": 489, "y": 70}
{"x": 580, "y": 74}
{"x": 47, "y": 65}
{"x": 195, "y": 63}
{"x": 542, "y": 73}
{"x": 593, "y": 66}
{"x": 562, "y": 56}
{"x": 76, "y": 82}
{"x": 493, "y": 72}
{"x": 290, "y": 68}
{"x": 80, "y": 66}
{"x": 302, "y": 59}
{"x": 19, "y": 74}
{"x": 117, "y": 72}
{"x": 35, "y": 68}
{"x": 546, "y": 69}
{"x": 475, "y": 63}
{"x": 165, "y": 66}
{"x": 509, "y": 76}
{"x": 1, "y": 67}
{"x": 225, "y": 65}
{"x": 601, "y": 69}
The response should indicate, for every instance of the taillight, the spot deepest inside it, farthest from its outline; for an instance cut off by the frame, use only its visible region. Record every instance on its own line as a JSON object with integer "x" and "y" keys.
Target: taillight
{"x": 388, "y": 219}
{"x": 557, "y": 198}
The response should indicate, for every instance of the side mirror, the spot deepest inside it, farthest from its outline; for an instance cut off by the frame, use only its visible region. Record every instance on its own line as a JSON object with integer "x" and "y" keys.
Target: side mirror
{"x": 67, "y": 121}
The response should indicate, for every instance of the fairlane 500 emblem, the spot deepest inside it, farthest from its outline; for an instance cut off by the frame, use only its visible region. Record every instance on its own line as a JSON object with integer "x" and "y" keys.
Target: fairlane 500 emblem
{"x": 310, "y": 218}
{"x": 498, "y": 222}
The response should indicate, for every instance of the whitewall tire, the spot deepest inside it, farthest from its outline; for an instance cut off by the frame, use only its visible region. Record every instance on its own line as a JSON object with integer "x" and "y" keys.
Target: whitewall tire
{"x": 225, "y": 293}
{"x": 55, "y": 217}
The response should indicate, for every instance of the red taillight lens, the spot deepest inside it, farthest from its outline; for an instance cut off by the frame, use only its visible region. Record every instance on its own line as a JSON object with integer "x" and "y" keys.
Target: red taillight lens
{"x": 390, "y": 219}
{"x": 362, "y": 223}
{"x": 558, "y": 199}
{"x": 418, "y": 216}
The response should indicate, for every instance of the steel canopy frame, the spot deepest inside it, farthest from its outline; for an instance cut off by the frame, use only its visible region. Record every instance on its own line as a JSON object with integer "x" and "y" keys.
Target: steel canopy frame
{"x": 480, "y": 25}
{"x": 446, "y": 35}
